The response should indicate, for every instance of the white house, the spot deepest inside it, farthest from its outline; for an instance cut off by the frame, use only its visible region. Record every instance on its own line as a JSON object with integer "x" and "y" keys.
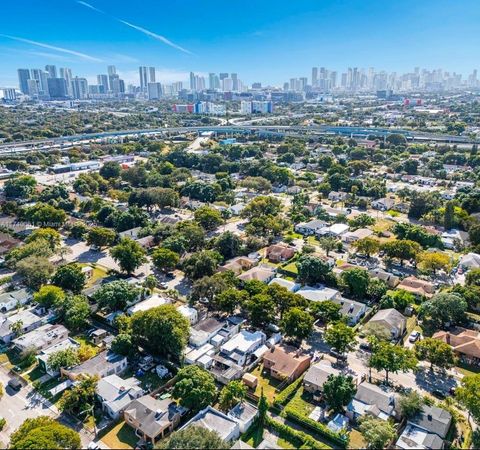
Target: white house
{"x": 11, "y": 300}
{"x": 27, "y": 320}
{"x": 289, "y": 285}
{"x": 150, "y": 302}
{"x": 190, "y": 313}
{"x": 242, "y": 345}
{"x": 310, "y": 228}
{"x": 335, "y": 230}
{"x": 319, "y": 294}
{"x": 383, "y": 204}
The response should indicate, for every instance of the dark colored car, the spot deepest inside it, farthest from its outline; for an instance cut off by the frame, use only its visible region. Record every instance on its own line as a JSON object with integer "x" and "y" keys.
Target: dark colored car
{"x": 15, "y": 384}
{"x": 439, "y": 394}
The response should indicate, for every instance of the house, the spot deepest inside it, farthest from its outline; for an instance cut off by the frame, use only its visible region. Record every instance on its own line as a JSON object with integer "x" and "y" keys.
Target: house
{"x": 150, "y": 302}
{"x": 244, "y": 414}
{"x": 279, "y": 252}
{"x": 465, "y": 343}
{"x": 353, "y": 236}
{"x": 97, "y": 336}
{"x": 7, "y": 243}
{"x": 190, "y": 313}
{"x": 213, "y": 420}
{"x": 383, "y": 204}
{"x": 115, "y": 394}
{"x": 26, "y": 320}
{"x": 390, "y": 279}
{"x": 469, "y": 261}
{"x": 41, "y": 338}
{"x": 335, "y": 230}
{"x": 229, "y": 364}
{"x": 44, "y": 354}
{"x": 393, "y": 322}
{"x": 335, "y": 196}
{"x": 152, "y": 419}
{"x": 427, "y": 429}
{"x": 454, "y": 238}
{"x": 262, "y": 273}
{"x": 238, "y": 265}
{"x": 102, "y": 365}
{"x": 146, "y": 242}
{"x": 287, "y": 284}
{"x": 204, "y": 330}
{"x": 417, "y": 287}
{"x": 11, "y": 300}
{"x": 374, "y": 400}
{"x": 316, "y": 377}
{"x": 310, "y": 228}
{"x": 285, "y": 362}
{"x": 132, "y": 233}
{"x": 351, "y": 309}
{"x": 320, "y": 294}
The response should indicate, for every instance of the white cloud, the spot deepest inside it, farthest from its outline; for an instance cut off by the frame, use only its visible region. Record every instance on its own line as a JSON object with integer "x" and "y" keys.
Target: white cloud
{"x": 80, "y": 55}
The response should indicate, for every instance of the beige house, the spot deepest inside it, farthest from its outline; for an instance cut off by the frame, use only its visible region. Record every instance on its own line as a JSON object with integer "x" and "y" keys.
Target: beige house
{"x": 414, "y": 285}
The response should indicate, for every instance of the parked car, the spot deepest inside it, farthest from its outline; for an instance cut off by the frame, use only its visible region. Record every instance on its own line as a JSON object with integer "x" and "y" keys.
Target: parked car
{"x": 146, "y": 363}
{"x": 162, "y": 371}
{"x": 341, "y": 356}
{"x": 414, "y": 337}
{"x": 15, "y": 384}
{"x": 163, "y": 285}
{"x": 439, "y": 394}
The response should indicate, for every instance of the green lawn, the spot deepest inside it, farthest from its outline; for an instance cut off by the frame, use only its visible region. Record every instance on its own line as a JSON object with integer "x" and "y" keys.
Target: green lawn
{"x": 467, "y": 369}
{"x": 120, "y": 436}
{"x": 312, "y": 240}
{"x": 98, "y": 273}
{"x": 356, "y": 440}
{"x": 266, "y": 382}
{"x": 301, "y": 402}
{"x": 291, "y": 267}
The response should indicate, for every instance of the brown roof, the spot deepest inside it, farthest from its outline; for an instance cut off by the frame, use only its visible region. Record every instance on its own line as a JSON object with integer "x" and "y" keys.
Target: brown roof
{"x": 285, "y": 359}
{"x": 417, "y": 286}
{"x": 462, "y": 341}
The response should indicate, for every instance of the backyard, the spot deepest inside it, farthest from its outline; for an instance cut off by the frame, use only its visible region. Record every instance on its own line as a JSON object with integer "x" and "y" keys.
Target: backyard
{"x": 265, "y": 382}
{"x": 119, "y": 436}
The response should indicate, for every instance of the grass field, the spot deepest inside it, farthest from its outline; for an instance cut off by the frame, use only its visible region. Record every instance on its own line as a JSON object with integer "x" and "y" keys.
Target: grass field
{"x": 266, "y": 382}
{"x": 120, "y": 436}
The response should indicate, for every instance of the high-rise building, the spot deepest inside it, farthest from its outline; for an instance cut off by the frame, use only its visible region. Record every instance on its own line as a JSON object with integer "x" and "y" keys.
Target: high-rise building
{"x": 102, "y": 80}
{"x": 111, "y": 70}
{"x": 57, "y": 88}
{"x": 154, "y": 91}
{"x": 142, "y": 71}
{"x": 213, "y": 81}
{"x": 80, "y": 88}
{"x": 199, "y": 83}
{"x": 51, "y": 70}
{"x": 193, "y": 84}
{"x": 32, "y": 87}
{"x": 66, "y": 74}
{"x": 227, "y": 85}
{"x": 151, "y": 75}
{"x": 23, "y": 77}
{"x": 9, "y": 94}
{"x": 314, "y": 76}
{"x": 234, "y": 78}
{"x": 41, "y": 77}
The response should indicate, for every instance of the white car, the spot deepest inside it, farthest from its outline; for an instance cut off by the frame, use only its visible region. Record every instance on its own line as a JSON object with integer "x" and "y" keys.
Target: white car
{"x": 414, "y": 336}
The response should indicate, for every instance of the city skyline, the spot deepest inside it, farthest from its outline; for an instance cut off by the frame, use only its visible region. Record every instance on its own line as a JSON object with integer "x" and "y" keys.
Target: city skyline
{"x": 177, "y": 39}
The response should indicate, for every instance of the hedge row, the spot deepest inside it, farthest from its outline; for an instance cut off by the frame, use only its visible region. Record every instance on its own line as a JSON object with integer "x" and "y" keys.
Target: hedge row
{"x": 317, "y": 427}
{"x": 298, "y": 438}
{"x": 284, "y": 397}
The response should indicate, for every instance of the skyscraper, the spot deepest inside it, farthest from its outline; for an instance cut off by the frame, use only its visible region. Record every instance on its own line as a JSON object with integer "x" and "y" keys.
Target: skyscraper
{"x": 23, "y": 77}
{"x": 57, "y": 88}
{"x": 111, "y": 70}
{"x": 41, "y": 78}
{"x": 66, "y": 74}
{"x": 213, "y": 81}
{"x": 314, "y": 76}
{"x": 80, "y": 88}
{"x": 51, "y": 70}
{"x": 154, "y": 91}
{"x": 102, "y": 80}
{"x": 234, "y": 78}
{"x": 151, "y": 75}
{"x": 142, "y": 72}
{"x": 193, "y": 85}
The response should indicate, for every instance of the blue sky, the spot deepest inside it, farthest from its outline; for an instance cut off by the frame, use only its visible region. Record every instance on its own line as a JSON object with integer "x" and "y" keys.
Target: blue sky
{"x": 261, "y": 40}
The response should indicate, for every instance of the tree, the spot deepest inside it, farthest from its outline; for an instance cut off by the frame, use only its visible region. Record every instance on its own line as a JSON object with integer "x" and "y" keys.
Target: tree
{"x": 231, "y": 394}
{"x": 76, "y": 312}
{"x": 401, "y": 249}
{"x": 355, "y": 281}
{"x": 195, "y": 387}
{"x": 80, "y": 398}
{"x": 129, "y": 255}
{"x": 391, "y": 358}
{"x": 262, "y": 206}
{"x": 193, "y": 437}
{"x": 45, "y": 215}
{"x": 35, "y": 270}
{"x": 443, "y": 309}
{"x": 44, "y": 432}
{"x": 398, "y": 299}
{"x": 63, "y": 358}
{"x": 123, "y": 345}
{"x": 327, "y": 243}
{"x": 109, "y": 170}
{"x": 312, "y": 270}
{"x": 449, "y": 216}
{"x": 473, "y": 277}
{"x": 436, "y": 352}
{"x": 340, "y": 337}
{"x": 203, "y": 263}
{"x": 209, "y": 218}
{"x": 367, "y": 246}
{"x": 228, "y": 301}
{"x": 326, "y": 311}
{"x": 162, "y": 329}
{"x": 433, "y": 261}
{"x": 261, "y": 310}
{"x": 284, "y": 299}
{"x": 262, "y": 409}
{"x": 115, "y": 296}
{"x": 228, "y": 245}
{"x": 338, "y": 391}
{"x": 297, "y": 323}
{"x": 101, "y": 237}
{"x": 70, "y": 278}
{"x": 78, "y": 230}
{"x": 50, "y": 235}
{"x": 20, "y": 187}
{"x": 376, "y": 289}
{"x": 377, "y": 432}
{"x": 468, "y": 395}
{"x": 165, "y": 259}
{"x": 411, "y": 404}
{"x": 16, "y": 327}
